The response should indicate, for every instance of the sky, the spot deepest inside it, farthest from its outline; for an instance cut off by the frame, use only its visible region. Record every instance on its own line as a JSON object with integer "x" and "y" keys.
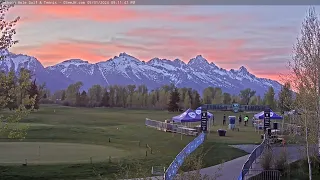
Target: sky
{"x": 260, "y": 38}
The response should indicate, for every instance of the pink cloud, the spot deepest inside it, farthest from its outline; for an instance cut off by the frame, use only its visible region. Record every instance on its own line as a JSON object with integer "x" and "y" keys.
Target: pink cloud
{"x": 58, "y": 51}
{"x": 153, "y": 32}
{"x": 183, "y": 48}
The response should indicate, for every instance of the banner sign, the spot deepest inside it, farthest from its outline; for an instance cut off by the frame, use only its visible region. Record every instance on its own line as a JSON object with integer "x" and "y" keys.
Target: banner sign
{"x": 204, "y": 120}
{"x": 234, "y": 107}
{"x": 178, "y": 161}
{"x": 266, "y": 118}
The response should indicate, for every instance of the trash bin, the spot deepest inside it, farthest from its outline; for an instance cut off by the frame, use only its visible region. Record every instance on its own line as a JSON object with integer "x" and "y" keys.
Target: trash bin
{"x": 222, "y": 132}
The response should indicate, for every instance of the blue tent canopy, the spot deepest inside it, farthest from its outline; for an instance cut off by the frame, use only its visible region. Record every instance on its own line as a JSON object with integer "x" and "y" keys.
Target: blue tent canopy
{"x": 189, "y": 116}
{"x": 273, "y": 115}
{"x": 198, "y": 112}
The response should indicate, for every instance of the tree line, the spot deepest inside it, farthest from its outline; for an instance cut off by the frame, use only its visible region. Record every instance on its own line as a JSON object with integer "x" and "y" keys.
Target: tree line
{"x": 166, "y": 97}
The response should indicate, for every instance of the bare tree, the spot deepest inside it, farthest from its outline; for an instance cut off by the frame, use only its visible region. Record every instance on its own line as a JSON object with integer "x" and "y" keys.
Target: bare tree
{"x": 305, "y": 68}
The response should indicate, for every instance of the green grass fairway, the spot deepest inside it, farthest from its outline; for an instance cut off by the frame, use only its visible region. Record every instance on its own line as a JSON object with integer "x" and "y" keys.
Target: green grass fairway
{"x": 128, "y": 137}
{"x": 55, "y": 153}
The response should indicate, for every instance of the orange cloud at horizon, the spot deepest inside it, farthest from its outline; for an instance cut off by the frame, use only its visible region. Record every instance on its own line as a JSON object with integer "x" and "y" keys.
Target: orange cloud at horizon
{"x": 52, "y": 53}
{"x": 59, "y": 51}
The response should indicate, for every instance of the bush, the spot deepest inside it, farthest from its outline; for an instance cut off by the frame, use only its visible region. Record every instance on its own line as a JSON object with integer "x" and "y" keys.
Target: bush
{"x": 66, "y": 103}
{"x": 46, "y": 101}
{"x": 267, "y": 158}
{"x": 281, "y": 164}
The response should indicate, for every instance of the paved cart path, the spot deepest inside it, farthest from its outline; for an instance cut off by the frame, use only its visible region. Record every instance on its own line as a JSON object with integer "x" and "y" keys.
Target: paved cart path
{"x": 230, "y": 170}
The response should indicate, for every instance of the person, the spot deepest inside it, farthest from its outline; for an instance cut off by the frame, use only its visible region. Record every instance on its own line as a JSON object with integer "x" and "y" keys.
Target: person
{"x": 240, "y": 119}
{"x": 246, "y": 119}
{"x": 224, "y": 119}
{"x": 252, "y": 120}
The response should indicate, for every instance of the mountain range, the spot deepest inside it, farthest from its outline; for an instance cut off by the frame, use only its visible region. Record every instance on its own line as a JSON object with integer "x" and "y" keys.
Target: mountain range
{"x": 124, "y": 69}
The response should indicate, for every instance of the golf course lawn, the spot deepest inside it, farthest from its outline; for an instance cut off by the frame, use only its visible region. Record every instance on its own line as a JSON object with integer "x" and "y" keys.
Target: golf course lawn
{"x": 63, "y": 141}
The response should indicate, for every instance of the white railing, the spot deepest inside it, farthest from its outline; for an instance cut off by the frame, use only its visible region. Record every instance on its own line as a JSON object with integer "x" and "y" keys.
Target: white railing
{"x": 169, "y": 127}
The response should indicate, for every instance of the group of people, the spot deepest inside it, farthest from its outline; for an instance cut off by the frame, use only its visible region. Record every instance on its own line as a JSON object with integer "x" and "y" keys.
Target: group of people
{"x": 245, "y": 119}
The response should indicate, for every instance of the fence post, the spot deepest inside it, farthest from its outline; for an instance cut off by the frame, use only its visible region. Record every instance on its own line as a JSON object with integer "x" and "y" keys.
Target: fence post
{"x": 255, "y": 160}
{"x": 109, "y": 158}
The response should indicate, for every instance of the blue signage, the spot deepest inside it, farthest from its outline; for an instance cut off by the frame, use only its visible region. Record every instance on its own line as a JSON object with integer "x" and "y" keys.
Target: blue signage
{"x": 178, "y": 161}
{"x": 235, "y": 107}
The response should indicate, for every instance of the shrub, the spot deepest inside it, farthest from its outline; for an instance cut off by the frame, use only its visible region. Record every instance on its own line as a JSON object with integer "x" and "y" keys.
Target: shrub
{"x": 66, "y": 103}
{"x": 266, "y": 160}
{"x": 281, "y": 163}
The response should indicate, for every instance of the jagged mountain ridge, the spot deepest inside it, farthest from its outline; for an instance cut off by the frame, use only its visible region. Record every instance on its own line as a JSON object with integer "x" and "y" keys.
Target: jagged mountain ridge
{"x": 124, "y": 69}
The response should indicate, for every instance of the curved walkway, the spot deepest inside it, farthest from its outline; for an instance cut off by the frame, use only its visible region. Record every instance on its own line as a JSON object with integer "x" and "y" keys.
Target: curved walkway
{"x": 230, "y": 170}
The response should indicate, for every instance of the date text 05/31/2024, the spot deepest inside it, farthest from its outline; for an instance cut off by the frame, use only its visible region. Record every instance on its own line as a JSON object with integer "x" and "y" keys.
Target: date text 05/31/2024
{"x": 76, "y": 2}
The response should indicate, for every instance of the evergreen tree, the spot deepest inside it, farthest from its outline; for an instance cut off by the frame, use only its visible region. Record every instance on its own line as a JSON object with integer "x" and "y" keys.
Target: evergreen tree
{"x": 196, "y": 101}
{"x": 285, "y": 98}
{"x": 105, "y": 101}
{"x": 34, "y": 93}
{"x": 78, "y": 99}
{"x": 63, "y": 95}
{"x": 269, "y": 98}
{"x": 84, "y": 100}
{"x": 174, "y": 100}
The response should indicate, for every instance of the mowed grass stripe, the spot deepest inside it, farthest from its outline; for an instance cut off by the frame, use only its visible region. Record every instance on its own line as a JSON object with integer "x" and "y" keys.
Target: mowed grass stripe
{"x": 55, "y": 153}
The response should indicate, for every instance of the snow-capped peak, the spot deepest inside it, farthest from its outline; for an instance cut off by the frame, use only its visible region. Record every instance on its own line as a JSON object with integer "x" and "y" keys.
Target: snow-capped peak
{"x": 124, "y": 58}
{"x": 243, "y": 69}
{"x": 125, "y": 69}
{"x": 15, "y": 62}
{"x": 124, "y": 54}
{"x": 71, "y": 62}
{"x": 76, "y": 61}
{"x": 198, "y": 60}
{"x": 179, "y": 62}
{"x": 215, "y": 66}
{"x": 154, "y": 60}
